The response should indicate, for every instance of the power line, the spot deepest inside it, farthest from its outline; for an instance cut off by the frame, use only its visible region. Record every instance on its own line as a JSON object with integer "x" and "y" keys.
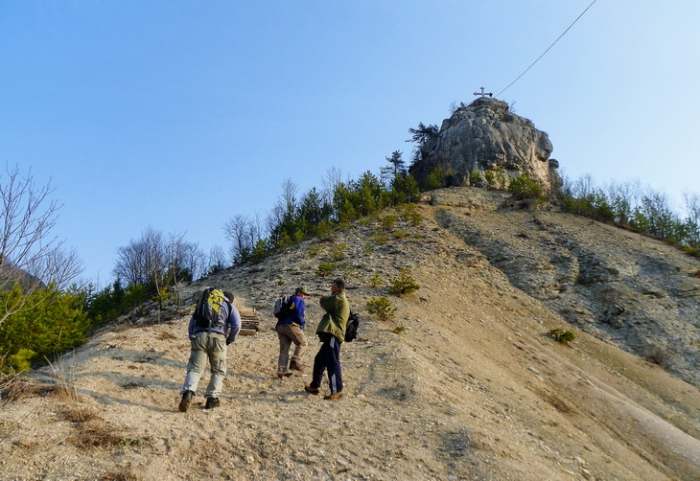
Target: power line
{"x": 548, "y": 48}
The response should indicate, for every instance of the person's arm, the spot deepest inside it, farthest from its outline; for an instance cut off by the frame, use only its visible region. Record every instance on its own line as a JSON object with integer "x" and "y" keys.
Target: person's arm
{"x": 190, "y": 328}
{"x": 234, "y": 324}
{"x": 301, "y": 308}
{"x": 328, "y": 303}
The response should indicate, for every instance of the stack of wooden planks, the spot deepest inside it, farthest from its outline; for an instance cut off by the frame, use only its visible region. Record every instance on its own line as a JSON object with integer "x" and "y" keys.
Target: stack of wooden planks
{"x": 250, "y": 322}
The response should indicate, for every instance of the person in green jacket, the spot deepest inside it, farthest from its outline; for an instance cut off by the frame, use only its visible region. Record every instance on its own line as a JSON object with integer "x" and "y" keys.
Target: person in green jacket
{"x": 331, "y": 332}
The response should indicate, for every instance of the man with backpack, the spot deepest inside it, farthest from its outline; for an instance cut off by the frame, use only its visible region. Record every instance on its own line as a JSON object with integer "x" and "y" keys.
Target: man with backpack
{"x": 331, "y": 332}
{"x": 290, "y": 330}
{"x": 213, "y": 326}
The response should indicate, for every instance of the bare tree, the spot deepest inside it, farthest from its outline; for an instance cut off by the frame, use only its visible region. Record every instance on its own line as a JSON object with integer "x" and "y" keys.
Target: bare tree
{"x": 217, "y": 260}
{"x": 288, "y": 199}
{"x": 331, "y": 180}
{"x": 692, "y": 205}
{"x": 31, "y": 256}
{"x": 236, "y": 230}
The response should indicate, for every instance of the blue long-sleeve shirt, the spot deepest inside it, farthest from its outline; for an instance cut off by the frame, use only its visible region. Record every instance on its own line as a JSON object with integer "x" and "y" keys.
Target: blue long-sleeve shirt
{"x": 296, "y": 314}
{"x": 230, "y": 328}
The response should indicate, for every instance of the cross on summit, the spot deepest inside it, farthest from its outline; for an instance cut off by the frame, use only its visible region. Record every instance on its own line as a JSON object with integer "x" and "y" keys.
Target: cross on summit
{"x": 483, "y": 93}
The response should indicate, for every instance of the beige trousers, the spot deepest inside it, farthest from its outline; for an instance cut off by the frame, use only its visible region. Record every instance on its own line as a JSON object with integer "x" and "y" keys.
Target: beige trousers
{"x": 290, "y": 334}
{"x": 207, "y": 346}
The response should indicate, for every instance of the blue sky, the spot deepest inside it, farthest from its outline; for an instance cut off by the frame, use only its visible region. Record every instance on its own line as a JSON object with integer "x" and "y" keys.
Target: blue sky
{"x": 151, "y": 113}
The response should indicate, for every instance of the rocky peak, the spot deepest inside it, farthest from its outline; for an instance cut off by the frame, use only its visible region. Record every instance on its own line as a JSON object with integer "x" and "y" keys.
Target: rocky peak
{"x": 485, "y": 135}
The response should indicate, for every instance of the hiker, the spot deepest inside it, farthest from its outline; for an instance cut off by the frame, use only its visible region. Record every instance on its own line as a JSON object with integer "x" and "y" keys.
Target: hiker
{"x": 331, "y": 332}
{"x": 290, "y": 330}
{"x": 213, "y": 326}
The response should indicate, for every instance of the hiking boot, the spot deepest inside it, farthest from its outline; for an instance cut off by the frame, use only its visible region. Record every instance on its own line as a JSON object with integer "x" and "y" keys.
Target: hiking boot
{"x": 336, "y": 396}
{"x": 185, "y": 401}
{"x": 295, "y": 366}
{"x": 281, "y": 375}
{"x": 212, "y": 402}
{"x": 311, "y": 390}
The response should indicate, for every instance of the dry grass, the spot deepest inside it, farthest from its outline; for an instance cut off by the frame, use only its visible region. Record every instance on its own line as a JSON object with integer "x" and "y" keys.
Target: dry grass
{"x": 97, "y": 433}
{"x": 14, "y": 388}
{"x": 120, "y": 476}
{"x": 93, "y": 432}
{"x": 657, "y": 355}
{"x": 77, "y": 415}
{"x": 556, "y": 402}
{"x": 166, "y": 336}
{"x": 64, "y": 381}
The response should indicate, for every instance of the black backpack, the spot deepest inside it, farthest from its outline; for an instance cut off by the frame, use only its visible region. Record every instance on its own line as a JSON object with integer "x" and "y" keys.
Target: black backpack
{"x": 353, "y": 327}
{"x": 283, "y": 307}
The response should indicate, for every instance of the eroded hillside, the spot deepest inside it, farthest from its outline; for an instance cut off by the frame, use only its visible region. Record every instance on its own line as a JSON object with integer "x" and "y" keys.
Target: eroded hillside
{"x": 464, "y": 384}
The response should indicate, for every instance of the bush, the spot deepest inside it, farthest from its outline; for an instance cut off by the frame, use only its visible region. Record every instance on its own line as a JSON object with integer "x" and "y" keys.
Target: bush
{"x": 50, "y": 323}
{"x": 562, "y": 336}
{"x": 403, "y": 284}
{"x": 389, "y": 221}
{"x": 400, "y": 234}
{"x": 21, "y": 360}
{"x": 314, "y": 250}
{"x": 524, "y": 187}
{"x": 381, "y": 307}
{"x": 475, "y": 177}
{"x": 399, "y": 329}
{"x": 657, "y": 355}
{"x": 409, "y": 213}
{"x": 380, "y": 238}
{"x": 435, "y": 179}
{"x": 376, "y": 281}
{"x": 338, "y": 252}
{"x": 325, "y": 269}
{"x": 496, "y": 178}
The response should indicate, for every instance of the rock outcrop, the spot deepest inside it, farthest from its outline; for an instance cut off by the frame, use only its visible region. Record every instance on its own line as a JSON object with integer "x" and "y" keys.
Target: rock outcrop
{"x": 485, "y": 135}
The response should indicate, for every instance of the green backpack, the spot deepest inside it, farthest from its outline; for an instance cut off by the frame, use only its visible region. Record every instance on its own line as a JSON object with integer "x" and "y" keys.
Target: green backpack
{"x": 210, "y": 310}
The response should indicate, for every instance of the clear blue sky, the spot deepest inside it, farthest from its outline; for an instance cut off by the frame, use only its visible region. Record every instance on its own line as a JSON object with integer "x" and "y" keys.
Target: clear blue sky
{"x": 152, "y": 113}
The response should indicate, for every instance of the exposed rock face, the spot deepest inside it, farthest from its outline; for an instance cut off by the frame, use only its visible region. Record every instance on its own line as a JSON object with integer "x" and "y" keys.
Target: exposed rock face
{"x": 485, "y": 135}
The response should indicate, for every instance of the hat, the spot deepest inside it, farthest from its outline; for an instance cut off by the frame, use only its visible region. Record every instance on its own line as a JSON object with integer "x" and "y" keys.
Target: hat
{"x": 301, "y": 290}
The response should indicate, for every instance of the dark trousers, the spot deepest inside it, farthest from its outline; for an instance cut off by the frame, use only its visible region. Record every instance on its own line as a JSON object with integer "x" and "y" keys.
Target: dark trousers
{"x": 328, "y": 357}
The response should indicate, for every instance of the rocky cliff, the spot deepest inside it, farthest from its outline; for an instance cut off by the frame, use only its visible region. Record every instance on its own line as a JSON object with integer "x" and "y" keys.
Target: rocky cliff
{"x": 485, "y": 135}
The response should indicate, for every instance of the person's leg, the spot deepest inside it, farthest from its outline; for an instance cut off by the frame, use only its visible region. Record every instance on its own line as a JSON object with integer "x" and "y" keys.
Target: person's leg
{"x": 285, "y": 342}
{"x": 299, "y": 346}
{"x": 335, "y": 376}
{"x": 196, "y": 364}
{"x": 217, "y": 362}
{"x": 320, "y": 363}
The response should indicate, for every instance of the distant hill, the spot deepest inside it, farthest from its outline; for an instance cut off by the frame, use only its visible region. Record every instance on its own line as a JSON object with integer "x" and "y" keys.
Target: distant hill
{"x": 463, "y": 383}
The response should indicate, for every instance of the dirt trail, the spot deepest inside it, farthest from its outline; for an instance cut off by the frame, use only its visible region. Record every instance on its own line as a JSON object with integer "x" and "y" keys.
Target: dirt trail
{"x": 464, "y": 385}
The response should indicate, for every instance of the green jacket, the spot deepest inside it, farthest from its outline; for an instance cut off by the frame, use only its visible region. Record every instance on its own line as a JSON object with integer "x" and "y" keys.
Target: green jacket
{"x": 335, "y": 320}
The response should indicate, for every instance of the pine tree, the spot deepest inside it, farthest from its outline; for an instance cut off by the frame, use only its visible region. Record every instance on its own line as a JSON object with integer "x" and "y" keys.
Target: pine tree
{"x": 395, "y": 168}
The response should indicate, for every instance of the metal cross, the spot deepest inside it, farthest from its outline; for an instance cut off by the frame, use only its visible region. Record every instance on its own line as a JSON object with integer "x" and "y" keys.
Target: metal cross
{"x": 483, "y": 93}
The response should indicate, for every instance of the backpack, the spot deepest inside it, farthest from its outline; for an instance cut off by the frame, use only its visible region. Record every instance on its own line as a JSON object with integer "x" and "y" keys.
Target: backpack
{"x": 353, "y": 327}
{"x": 209, "y": 312}
{"x": 283, "y": 307}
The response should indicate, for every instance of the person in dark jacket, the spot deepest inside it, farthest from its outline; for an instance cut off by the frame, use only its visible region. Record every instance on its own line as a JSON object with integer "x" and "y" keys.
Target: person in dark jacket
{"x": 331, "y": 332}
{"x": 210, "y": 343}
{"x": 290, "y": 330}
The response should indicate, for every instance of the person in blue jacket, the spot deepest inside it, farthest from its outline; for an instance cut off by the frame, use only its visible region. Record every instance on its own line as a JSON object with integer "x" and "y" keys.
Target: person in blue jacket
{"x": 290, "y": 330}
